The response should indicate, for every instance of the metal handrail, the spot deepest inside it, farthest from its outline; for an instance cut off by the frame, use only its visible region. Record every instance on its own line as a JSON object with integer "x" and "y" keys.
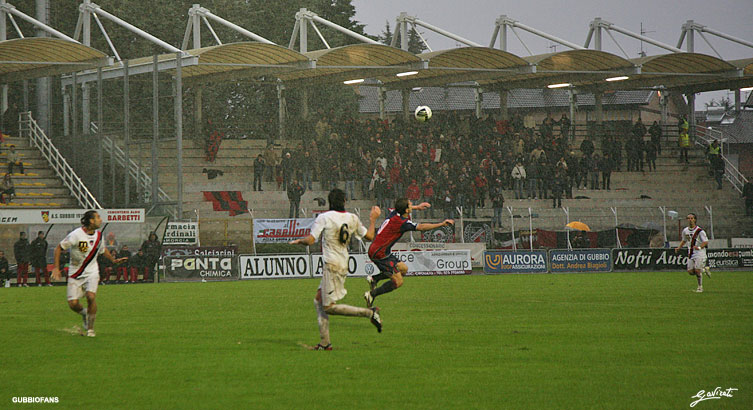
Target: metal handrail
{"x": 704, "y": 137}
{"x": 29, "y": 128}
{"x": 136, "y": 172}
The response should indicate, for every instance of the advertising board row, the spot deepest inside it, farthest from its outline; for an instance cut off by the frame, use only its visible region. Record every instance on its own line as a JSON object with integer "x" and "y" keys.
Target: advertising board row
{"x": 606, "y": 260}
{"x": 219, "y": 267}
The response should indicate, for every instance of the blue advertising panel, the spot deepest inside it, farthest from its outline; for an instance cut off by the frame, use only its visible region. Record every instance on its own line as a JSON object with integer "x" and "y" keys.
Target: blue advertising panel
{"x": 580, "y": 260}
{"x": 515, "y": 262}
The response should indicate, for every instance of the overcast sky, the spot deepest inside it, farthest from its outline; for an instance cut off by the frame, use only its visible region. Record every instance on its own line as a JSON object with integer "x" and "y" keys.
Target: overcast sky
{"x": 662, "y": 20}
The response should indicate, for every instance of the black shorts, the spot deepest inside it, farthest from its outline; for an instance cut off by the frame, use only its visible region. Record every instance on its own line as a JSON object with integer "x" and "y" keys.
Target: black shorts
{"x": 386, "y": 265}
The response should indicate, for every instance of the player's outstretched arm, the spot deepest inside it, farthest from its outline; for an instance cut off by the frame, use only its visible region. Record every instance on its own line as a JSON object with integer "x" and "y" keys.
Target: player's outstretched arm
{"x": 679, "y": 247}
{"x": 428, "y": 227}
{"x": 56, "y": 266}
{"x": 307, "y": 241}
{"x": 112, "y": 259}
{"x": 373, "y": 216}
{"x": 421, "y": 206}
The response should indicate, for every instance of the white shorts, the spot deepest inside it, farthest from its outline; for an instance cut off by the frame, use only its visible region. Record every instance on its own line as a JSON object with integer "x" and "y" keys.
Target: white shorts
{"x": 696, "y": 262}
{"x": 77, "y": 287}
{"x": 333, "y": 284}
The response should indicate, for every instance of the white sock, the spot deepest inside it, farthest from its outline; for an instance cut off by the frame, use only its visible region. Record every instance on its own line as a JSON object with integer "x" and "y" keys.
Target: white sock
{"x": 323, "y": 320}
{"x": 347, "y": 310}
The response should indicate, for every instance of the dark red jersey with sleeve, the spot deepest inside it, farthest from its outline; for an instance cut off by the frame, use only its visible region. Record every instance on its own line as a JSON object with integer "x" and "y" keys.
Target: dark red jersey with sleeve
{"x": 390, "y": 232}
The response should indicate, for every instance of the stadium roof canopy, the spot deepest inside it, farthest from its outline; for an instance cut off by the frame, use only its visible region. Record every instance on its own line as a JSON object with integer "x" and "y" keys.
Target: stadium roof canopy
{"x": 485, "y": 67}
{"x": 34, "y": 57}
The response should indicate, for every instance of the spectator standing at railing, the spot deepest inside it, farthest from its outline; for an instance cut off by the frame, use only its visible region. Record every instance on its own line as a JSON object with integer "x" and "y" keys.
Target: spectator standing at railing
{"x": 286, "y": 165}
{"x": 271, "y": 159}
{"x": 587, "y": 146}
{"x": 593, "y": 171}
{"x": 152, "y": 248}
{"x": 498, "y": 203}
{"x": 295, "y": 192}
{"x": 427, "y": 191}
{"x": 4, "y": 270}
{"x": 545, "y": 179}
{"x": 651, "y": 151}
{"x": 565, "y": 125}
{"x": 21, "y": 254}
{"x": 38, "y": 256}
{"x": 606, "y": 166}
{"x": 307, "y": 169}
{"x": 518, "y": 174}
{"x": 748, "y": 195}
{"x": 656, "y": 133}
{"x": 122, "y": 267}
{"x": 533, "y": 172}
{"x": 7, "y": 189}
{"x": 14, "y": 160}
{"x": 684, "y": 139}
{"x": 258, "y": 172}
{"x": 558, "y": 184}
{"x": 717, "y": 165}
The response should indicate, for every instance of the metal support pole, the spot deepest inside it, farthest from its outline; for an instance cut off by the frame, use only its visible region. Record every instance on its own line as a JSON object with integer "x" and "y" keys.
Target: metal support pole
{"x": 573, "y": 101}
{"x": 462, "y": 230}
{"x": 74, "y": 113}
{"x": 616, "y": 229}
{"x": 663, "y": 210}
{"x": 281, "y": 111}
{"x": 382, "y": 97}
{"x": 303, "y": 41}
{"x": 155, "y": 130}
{"x": 566, "y": 210}
{"x": 479, "y": 99}
{"x": 503, "y": 110}
{"x": 691, "y": 115}
{"x": 179, "y": 128}
{"x": 405, "y": 94}
{"x": 710, "y": 211}
{"x": 403, "y": 31}
{"x": 66, "y": 107}
{"x": 598, "y": 108}
{"x": 198, "y": 119}
{"x": 305, "y": 103}
{"x": 512, "y": 228}
{"x": 100, "y": 136}
{"x": 530, "y": 227}
{"x": 126, "y": 134}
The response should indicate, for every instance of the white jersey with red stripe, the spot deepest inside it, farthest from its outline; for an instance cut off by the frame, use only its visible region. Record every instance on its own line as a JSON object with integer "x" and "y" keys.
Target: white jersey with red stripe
{"x": 694, "y": 237}
{"x": 84, "y": 249}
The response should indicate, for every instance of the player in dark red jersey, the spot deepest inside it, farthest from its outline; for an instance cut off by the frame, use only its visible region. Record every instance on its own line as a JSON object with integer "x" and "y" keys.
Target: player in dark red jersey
{"x": 380, "y": 252}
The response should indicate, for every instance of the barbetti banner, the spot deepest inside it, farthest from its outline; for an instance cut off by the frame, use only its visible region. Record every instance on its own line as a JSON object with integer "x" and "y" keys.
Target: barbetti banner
{"x": 68, "y": 216}
{"x": 281, "y": 230}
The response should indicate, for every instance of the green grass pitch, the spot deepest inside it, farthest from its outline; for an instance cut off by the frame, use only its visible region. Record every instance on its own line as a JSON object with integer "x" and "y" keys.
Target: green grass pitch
{"x": 577, "y": 341}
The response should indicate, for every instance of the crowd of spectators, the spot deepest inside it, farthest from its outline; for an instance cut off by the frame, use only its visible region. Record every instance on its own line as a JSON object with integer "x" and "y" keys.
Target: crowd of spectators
{"x": 455, "y": 162}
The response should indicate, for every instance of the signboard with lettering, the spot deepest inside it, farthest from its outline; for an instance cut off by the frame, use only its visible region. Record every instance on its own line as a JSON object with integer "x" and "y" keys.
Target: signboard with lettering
{"x": 580, "y": 260}
{"x": 274, "y": 266}
{"x": 181, "y": 233}
{"x": 281, "y": 230}
{"x": 200, "y": 268}
{"x": 515, "y": 262}
{"x": 68, "y": 216}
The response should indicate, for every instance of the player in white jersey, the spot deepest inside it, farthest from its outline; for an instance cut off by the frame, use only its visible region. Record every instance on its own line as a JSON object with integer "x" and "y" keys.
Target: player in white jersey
{"x": 335, "y": 228}
{"x": 695, "y": 237}
{"x": 85, "y": 244}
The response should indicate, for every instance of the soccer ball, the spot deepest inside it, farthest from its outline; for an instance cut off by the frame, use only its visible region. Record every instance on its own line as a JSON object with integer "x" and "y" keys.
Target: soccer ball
{"x": 423, "y": 113}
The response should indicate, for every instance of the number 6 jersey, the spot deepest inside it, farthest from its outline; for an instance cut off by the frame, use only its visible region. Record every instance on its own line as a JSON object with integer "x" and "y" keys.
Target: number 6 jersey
{"x": 84, "y": 249}
{"x": 335, "y": 229}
